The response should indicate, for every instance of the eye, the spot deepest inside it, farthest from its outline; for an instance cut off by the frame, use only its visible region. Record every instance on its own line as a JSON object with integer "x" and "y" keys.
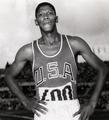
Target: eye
{"x": 40, "y": 14}
{"x": 50, "y": 13}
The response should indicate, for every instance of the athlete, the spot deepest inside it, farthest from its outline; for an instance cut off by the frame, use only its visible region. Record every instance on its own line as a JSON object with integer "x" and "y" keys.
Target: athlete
{"x": 54, "y": 64}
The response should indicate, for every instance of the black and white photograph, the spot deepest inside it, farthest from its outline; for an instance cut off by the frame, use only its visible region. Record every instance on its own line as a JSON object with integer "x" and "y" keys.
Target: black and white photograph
{"x": 54, "y": 60}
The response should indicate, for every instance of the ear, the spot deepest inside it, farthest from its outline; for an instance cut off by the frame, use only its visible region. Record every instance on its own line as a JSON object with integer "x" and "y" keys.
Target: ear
{"x": 36, "y": 22}
{"x": 56, "y": 19}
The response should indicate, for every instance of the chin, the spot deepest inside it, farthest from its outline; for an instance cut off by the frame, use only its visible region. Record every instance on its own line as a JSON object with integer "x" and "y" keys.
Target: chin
{"x": 47, "y": 30}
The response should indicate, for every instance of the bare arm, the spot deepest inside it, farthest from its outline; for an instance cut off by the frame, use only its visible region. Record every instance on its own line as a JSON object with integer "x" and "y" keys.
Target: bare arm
{"x": 22, "y": 56}
{"x": 82, "y": 48}
{"x": 98, "y": 65}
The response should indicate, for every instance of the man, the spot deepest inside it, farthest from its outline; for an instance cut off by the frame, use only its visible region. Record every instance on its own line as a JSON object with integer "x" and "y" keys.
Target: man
{"x": 53, "y": 58}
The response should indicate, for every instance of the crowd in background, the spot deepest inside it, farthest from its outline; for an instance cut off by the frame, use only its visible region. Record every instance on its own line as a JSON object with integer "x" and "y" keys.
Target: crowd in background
{"x": 86, "y": 78}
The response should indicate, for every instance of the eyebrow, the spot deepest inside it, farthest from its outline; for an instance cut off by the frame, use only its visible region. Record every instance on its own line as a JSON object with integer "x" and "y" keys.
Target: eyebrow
{"x": 46, "y": 10}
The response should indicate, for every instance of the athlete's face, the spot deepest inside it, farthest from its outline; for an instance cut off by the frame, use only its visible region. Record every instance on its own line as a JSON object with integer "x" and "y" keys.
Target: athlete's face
{"x": 46, "y": 18}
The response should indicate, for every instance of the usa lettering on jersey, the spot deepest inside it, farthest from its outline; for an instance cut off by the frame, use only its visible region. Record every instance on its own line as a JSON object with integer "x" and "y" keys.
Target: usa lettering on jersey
{"x": 53, "y": 72}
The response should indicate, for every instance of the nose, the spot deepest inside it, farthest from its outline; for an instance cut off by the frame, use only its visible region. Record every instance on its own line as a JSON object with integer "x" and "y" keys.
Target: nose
{"x": 46, "y": 16}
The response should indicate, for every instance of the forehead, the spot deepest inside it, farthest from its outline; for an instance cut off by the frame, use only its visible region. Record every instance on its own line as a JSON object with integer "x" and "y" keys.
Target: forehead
{"x": 45, "y": 8}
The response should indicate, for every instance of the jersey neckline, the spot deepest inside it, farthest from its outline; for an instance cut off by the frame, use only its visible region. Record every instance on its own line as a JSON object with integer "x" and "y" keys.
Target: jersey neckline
{"x": 50, "y": 56}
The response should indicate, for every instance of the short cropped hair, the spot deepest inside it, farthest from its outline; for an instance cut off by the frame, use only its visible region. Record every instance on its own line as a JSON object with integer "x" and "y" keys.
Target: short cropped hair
{"x": 44, "y": 4}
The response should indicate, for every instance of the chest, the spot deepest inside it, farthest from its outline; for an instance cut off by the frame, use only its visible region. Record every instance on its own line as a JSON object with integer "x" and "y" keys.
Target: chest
{"x": 55, "y": 71}
{"x": 54, "y": 65}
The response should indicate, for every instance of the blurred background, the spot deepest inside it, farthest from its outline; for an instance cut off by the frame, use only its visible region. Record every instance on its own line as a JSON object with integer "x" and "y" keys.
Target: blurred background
{"x": 88, "y": 19}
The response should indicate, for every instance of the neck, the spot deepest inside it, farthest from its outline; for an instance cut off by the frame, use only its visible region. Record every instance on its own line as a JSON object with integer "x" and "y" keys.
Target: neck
{"x": 50, "y": 38}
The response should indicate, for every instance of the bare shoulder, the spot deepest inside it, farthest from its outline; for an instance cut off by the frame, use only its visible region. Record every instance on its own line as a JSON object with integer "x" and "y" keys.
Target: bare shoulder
{"x": 24, "y": 53}
{"x": 77, "y": 43}
{"x": 75, "y": 40}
